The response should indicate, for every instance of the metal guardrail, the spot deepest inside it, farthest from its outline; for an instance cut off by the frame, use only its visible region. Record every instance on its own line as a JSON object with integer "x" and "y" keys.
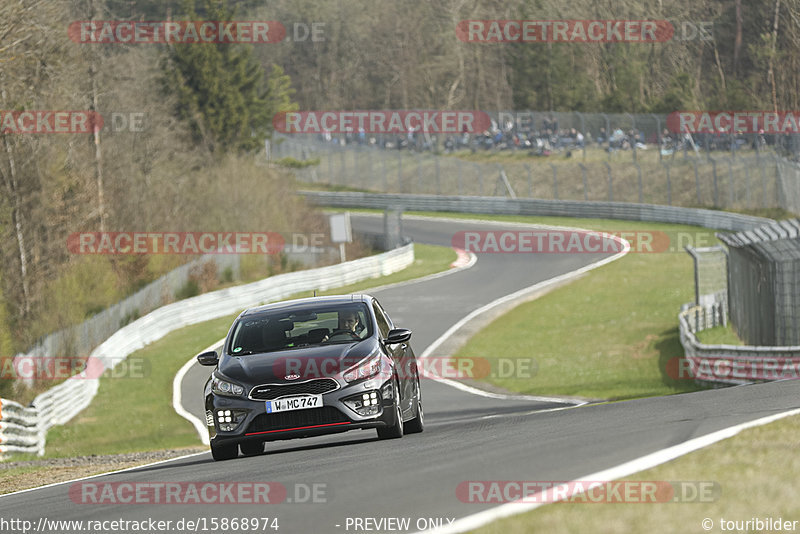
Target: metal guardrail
{"x": 25, "y": 429}
{"x": 718, "y": 220}
{"x": 730, "y": 364}
{"x": 19, "y": 428}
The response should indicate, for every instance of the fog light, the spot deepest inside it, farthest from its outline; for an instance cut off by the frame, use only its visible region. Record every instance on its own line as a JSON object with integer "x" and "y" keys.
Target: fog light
{"x": 367, "y": 403}
{"x": 228, "y": 420}
{"x": 369, "y": 399}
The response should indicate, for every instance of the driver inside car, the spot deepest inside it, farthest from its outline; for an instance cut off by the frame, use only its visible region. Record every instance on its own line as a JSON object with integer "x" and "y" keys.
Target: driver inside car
{"x": 349, "y": 322}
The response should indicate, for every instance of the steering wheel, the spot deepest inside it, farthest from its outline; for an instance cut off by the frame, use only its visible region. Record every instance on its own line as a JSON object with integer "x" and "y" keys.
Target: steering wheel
{"x": 343, "y": 331}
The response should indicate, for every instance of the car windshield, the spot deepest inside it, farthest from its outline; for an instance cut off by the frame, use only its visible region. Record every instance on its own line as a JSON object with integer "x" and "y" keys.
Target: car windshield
{"x": 284, "y": 329}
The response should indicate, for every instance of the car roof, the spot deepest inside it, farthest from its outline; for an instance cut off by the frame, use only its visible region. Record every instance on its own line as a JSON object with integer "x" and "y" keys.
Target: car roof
{"x": 287, "y": 305}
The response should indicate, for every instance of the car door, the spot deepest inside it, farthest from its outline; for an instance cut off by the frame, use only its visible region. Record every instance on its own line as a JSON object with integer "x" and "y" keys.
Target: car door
{"x": 403, "y": 358}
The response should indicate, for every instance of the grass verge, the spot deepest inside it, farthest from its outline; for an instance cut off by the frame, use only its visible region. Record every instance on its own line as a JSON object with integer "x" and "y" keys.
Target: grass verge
{"x": 754, "y": 472}
{"x": 607, "y": 335}
{"x": 720, "y": 335}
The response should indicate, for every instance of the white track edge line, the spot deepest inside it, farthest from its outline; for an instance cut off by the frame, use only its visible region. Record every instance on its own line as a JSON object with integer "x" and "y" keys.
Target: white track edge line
{"x": 177, "y": 396}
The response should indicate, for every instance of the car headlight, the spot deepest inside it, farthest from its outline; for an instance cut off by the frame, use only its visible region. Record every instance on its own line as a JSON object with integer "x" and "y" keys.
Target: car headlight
{"x": 221, "y": 387}
{"x": 369, "y": 367}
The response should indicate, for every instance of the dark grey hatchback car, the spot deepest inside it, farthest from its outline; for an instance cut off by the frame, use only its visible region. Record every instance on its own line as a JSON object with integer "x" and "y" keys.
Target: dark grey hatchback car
{"x": 310, "y": 367}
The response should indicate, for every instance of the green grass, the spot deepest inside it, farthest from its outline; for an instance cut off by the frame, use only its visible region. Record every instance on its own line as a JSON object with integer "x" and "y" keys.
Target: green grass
{"x": 720, "y": 335}
{"x": 607, "y": 335}
{"x": 134, "y": 414}
{"x": 755, "y": 472}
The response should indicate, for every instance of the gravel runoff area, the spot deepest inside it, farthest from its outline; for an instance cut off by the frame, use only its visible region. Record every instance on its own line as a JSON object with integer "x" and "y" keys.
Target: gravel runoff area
{"x": 33, "y": 473}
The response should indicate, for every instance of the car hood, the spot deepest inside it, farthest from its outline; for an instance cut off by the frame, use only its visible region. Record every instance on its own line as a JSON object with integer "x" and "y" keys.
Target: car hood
{"x": 304, "y": 363}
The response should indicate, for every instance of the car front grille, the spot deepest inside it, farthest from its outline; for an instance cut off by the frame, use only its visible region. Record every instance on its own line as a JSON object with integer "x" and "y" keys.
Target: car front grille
{"x": 310, "y": 387}
{"x": 326, "y": 415}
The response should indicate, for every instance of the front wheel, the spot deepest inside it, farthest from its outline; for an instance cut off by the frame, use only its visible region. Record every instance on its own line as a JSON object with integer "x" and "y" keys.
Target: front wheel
{"x": 226, "y": 451}
{"x": 396, "y": 430}
{"x": 418, "y": 423}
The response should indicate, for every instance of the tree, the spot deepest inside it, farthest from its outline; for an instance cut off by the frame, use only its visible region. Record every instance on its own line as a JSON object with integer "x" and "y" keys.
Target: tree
{"x": 222, "y": 92}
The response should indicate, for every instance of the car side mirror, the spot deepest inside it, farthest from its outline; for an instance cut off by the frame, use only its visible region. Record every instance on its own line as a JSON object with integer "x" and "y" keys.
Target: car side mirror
{"x": 208, "y": 358}
{"x": 397, "y": 335}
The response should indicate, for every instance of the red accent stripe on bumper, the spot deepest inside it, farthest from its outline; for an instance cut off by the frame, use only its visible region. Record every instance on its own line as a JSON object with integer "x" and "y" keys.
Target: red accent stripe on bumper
{"x": 297, "y": 428}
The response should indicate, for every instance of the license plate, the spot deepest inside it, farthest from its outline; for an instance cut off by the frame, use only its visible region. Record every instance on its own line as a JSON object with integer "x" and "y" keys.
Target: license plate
{"x": 294, "y": 403}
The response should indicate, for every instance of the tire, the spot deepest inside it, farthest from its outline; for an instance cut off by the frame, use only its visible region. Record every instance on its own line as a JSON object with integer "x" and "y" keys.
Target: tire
{"x": 396, "y": 430}
{"x": 227, "y": 451}
{"x": 252, "y": 448}
{"x": 417, "y": 424}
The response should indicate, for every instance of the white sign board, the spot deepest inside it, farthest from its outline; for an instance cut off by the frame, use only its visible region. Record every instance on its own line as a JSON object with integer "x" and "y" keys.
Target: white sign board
{"x": 340, "y": 228}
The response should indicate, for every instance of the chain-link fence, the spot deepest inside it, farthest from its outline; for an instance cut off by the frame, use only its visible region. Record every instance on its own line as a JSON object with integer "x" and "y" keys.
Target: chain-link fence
{"x": 710, "y": 274}
{"x": 764, "y": 283}
{"x": 751, "y": 179}
{"x": 789, "y": 185}
{"x": 554, "y": 132}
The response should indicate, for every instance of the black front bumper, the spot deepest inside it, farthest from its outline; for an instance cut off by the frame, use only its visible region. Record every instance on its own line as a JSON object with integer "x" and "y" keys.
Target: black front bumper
{"x": 333, "y": 417}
